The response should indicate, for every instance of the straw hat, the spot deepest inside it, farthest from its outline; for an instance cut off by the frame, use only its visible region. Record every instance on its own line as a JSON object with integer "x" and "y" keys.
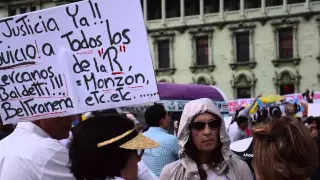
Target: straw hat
{"x": 131, "y": 140}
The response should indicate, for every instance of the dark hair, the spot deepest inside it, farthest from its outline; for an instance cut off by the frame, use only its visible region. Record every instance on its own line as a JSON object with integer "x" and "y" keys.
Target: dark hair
{"x": 154, "y": 114}
{"x": 262, "y": 115}
{"x": 275, "y": 112}
{"x": 242, "y": 119}
{"x": 105, "y": 112}
{"x": 192, "y": 151}
{"x": 9, "y": 128}
{"x": 236, "y": 115}
{"x": 317, "y": 119}
{"x": 87, "y": 161}
{"x": 306, "y": 95}
{"x": 310, "y": 119}
{"x": 299, "y": 119}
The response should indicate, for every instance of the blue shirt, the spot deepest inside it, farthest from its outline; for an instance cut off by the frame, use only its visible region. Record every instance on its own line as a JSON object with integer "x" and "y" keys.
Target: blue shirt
{"x": 167, "y": 153}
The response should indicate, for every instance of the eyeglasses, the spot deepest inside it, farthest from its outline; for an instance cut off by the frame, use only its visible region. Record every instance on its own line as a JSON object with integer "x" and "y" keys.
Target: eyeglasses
{"x": 213, "y": 124}
{"x": 140, "y": 152}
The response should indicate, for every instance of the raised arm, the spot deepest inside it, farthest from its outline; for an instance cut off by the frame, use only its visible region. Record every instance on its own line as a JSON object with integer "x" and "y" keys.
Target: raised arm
{"x": 246, "y": 111}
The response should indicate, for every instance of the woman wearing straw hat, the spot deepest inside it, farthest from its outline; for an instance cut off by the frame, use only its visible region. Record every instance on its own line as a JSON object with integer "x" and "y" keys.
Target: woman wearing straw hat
{"x": 107, "y": 147}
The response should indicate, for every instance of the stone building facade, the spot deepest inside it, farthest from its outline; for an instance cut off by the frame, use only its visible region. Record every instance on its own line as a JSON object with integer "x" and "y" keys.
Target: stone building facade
{"x": 244, "y": 47}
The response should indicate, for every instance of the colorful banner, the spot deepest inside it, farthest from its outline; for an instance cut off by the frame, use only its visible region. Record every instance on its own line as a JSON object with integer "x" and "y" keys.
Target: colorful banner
{"x": 234, "y": 104}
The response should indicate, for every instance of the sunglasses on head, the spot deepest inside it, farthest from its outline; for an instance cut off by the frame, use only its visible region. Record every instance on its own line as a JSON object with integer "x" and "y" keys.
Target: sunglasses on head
{"x": 199, "y": 125}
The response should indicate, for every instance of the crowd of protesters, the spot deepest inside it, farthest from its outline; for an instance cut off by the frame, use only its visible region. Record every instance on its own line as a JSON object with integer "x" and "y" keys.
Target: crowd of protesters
{"x": 111, "y": 145}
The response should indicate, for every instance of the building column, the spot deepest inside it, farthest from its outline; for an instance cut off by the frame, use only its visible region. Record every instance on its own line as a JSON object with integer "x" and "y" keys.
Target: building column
{"x": 263, "y": 6}
{"x": 285, "y": 5}
{"x": 7, "y": 12}
{"x": 163, "y": 12}
{"x": 253, "y": 90}
{"x": 307, "y": 4}
{"x": 182, "y": 11}
{"x": 221, "y": 11}
{"x": 201, "y": 10}
{"x": 295, "y": 41}
{"x": 242, "y": 8}
{"x": 145, "y": 11}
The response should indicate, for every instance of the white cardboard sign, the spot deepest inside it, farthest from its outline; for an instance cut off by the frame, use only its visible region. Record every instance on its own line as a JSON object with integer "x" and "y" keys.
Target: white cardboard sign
{"x": 74, "y": 58}
{"x": 314, "y": 110}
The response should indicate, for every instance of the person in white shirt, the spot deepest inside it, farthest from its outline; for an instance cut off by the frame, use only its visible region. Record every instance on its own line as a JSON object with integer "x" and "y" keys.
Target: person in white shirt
{"x": 33, "y": 152}
{"x": 236, "y": 131}
{"x": 240, "y": 122}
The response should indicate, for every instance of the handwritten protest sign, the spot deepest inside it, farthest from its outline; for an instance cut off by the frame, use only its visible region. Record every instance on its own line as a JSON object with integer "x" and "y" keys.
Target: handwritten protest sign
{"x": 75, "y": 58}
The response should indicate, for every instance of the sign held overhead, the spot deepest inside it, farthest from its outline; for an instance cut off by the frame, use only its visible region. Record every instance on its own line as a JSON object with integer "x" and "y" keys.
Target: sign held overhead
{"x": 74, "y": 58}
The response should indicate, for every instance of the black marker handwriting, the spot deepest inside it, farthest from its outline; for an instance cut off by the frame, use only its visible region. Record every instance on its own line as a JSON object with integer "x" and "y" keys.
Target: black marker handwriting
{"x": 84, "y": 42}
{"x": 27, "y": 53}
{"x": 83, "y": 20}
{"x": 23, "y": 26}
{"x": 112, "y": 82}
{"x": 23, "y": 77}
{"x": 31, "y": 107}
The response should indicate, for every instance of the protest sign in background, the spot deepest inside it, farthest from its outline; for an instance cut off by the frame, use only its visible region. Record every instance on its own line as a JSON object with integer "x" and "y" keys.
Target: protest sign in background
{"x": 233, "y": 104}
{"x": 171, "y": 106}
{"x": 314, "y": 110}
{"x": 74, "y": 58}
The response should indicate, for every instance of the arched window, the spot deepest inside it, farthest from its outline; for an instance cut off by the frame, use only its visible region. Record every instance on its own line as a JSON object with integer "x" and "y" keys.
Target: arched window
{"x": 243, "y": 88}
{"x": 286, "y": 85}
{"x": 202, "y": 81}
{"x": 162, "y": 80}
